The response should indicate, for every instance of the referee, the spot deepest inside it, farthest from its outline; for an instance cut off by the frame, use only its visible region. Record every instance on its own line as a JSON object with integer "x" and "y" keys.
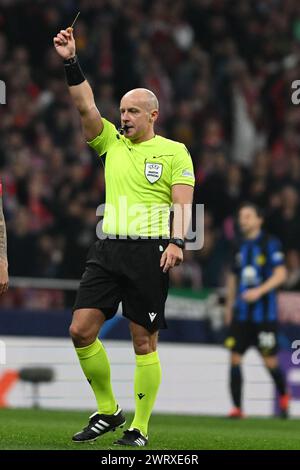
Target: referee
{"x": 145, "y": 174}
{"x": 251, "y": 308}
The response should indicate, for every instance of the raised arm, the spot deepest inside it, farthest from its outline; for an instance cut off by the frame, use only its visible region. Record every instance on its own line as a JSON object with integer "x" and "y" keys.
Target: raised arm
{"x": 79, "y": 87}
{"x": 3, "y": 251}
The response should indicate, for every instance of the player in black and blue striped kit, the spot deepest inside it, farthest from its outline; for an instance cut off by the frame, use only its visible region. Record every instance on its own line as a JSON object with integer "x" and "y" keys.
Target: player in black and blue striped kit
{"x": 251, "y": 307}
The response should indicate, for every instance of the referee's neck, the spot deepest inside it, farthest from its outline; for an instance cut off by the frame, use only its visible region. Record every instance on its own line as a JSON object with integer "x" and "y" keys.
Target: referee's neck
{"x": 145, "y": 137}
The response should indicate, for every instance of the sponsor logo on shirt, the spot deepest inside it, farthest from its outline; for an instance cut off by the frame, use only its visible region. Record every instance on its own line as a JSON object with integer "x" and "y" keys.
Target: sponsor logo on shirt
{"x": 277, "y": 256}
{"x": 249, "y": 276}
{"x": 260, "y": 260}
{"x": 187, "y": 173}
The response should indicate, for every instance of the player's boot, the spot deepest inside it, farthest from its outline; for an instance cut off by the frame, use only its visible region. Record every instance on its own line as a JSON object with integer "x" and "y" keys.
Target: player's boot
{"x": 132, "y": 438}
{"x": 236, "y": 413}
{"x": 284, "y": 405}
{"x": 100, "y": 424}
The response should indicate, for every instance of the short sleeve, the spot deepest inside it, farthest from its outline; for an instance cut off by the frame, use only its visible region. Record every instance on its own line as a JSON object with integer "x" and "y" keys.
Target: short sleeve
{"x": 276, "y": 255}
{"x": 103, "y": 141}
{"x": 182, "y": 168}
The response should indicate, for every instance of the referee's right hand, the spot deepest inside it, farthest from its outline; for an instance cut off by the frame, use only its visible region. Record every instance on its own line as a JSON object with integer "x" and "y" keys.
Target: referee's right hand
{"x": 64, "y": 43}
{"x": 172, "y": 256}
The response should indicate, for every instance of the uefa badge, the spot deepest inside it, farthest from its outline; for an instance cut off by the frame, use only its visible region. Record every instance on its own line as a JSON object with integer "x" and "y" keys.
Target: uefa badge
{"x": 153, "y": 171}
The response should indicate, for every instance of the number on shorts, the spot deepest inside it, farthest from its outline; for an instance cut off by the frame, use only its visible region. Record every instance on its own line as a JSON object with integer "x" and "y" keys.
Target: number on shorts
{"x": 266, "y": 340}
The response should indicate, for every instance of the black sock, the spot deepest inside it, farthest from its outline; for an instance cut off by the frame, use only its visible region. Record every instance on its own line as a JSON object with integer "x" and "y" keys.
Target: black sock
{"x": 236, "y": 385}
{"x": 279, "y": 380}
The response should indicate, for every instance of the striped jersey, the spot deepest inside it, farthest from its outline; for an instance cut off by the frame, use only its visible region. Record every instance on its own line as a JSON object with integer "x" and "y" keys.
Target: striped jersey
{"x": 253, "y": 263}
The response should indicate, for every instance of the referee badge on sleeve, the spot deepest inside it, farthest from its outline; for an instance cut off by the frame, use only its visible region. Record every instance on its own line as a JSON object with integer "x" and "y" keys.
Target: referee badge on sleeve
{"x": 153, "y": 171}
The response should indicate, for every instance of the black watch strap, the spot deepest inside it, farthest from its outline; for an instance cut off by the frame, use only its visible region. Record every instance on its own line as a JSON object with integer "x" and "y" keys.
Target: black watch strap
{"x": 178, "y": 242}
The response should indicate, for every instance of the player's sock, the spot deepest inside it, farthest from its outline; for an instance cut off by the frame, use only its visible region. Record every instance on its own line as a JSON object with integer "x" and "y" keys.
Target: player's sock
{"x": 146, "y": 384}
{"x": 279, "y": 379}
{"x": 236, "y": 385}
{"x": 95, "y": 365}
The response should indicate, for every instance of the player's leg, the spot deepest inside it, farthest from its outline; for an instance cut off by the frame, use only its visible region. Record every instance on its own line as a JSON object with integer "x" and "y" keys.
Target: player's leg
{"x": 147, "y": 380}
{"x": 267, "y": 345}
{"x": 271, "y": 363}
{"x": 236, "y": 384}
{"x": 238, "y": 341}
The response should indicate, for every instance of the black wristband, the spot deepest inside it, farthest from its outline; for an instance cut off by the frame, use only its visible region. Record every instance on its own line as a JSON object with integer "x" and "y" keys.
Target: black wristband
{"x": 178, "y": 242}
{"x": 74, "y": 74}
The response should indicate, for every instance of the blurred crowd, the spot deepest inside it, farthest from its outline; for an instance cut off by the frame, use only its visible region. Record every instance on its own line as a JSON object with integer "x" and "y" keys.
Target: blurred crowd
{"x": 222, "y": 71}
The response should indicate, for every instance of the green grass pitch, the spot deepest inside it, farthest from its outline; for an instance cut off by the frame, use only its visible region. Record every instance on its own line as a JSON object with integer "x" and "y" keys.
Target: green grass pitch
{"x": 51, "y": 430}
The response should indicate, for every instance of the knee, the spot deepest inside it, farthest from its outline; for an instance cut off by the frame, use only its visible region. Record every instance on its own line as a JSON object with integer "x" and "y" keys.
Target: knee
{"x": 236, "y": 360}
{"x": 142, "y": 345}
{"x": 80, "y": 336}
{"x": 271, "y": 362}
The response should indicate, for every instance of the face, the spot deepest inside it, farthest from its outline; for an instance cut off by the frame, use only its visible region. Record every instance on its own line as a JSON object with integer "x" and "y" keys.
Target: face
{"x": 249, "y": 221}
{"x": 137, "y": 115}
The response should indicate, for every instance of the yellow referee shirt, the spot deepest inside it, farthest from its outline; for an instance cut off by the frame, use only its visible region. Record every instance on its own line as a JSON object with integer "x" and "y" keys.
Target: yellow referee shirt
{"x": 139, "y": 179}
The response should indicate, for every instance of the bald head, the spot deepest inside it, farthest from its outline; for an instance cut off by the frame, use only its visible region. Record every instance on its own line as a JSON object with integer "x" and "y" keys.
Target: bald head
{"x": 146, "y": 98}
{"x": 139, "y": 111}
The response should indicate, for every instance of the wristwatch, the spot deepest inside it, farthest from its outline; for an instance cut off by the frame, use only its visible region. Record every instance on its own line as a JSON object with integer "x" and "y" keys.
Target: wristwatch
{"x": 178, "y": 242}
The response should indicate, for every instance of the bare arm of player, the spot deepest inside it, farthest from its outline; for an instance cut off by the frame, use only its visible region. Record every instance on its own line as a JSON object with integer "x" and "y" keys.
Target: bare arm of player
{"x": 3, "y": 252}
{"x": 182, "y": 198}
{"x": 82, "y": 94}
{"x": 278, "y": 277}
{"x": 230, "y": 298}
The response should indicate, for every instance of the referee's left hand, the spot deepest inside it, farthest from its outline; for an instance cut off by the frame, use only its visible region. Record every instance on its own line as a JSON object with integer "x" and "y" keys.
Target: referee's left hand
{"x": 172, "y": 256}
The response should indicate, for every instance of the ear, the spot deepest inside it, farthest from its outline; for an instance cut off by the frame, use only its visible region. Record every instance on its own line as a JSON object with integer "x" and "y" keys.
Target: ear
{"x": 153, "y": 115}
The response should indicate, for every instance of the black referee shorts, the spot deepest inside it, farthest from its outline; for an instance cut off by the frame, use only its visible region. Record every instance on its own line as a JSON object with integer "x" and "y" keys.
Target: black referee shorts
{"x": 126, "y": 271}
